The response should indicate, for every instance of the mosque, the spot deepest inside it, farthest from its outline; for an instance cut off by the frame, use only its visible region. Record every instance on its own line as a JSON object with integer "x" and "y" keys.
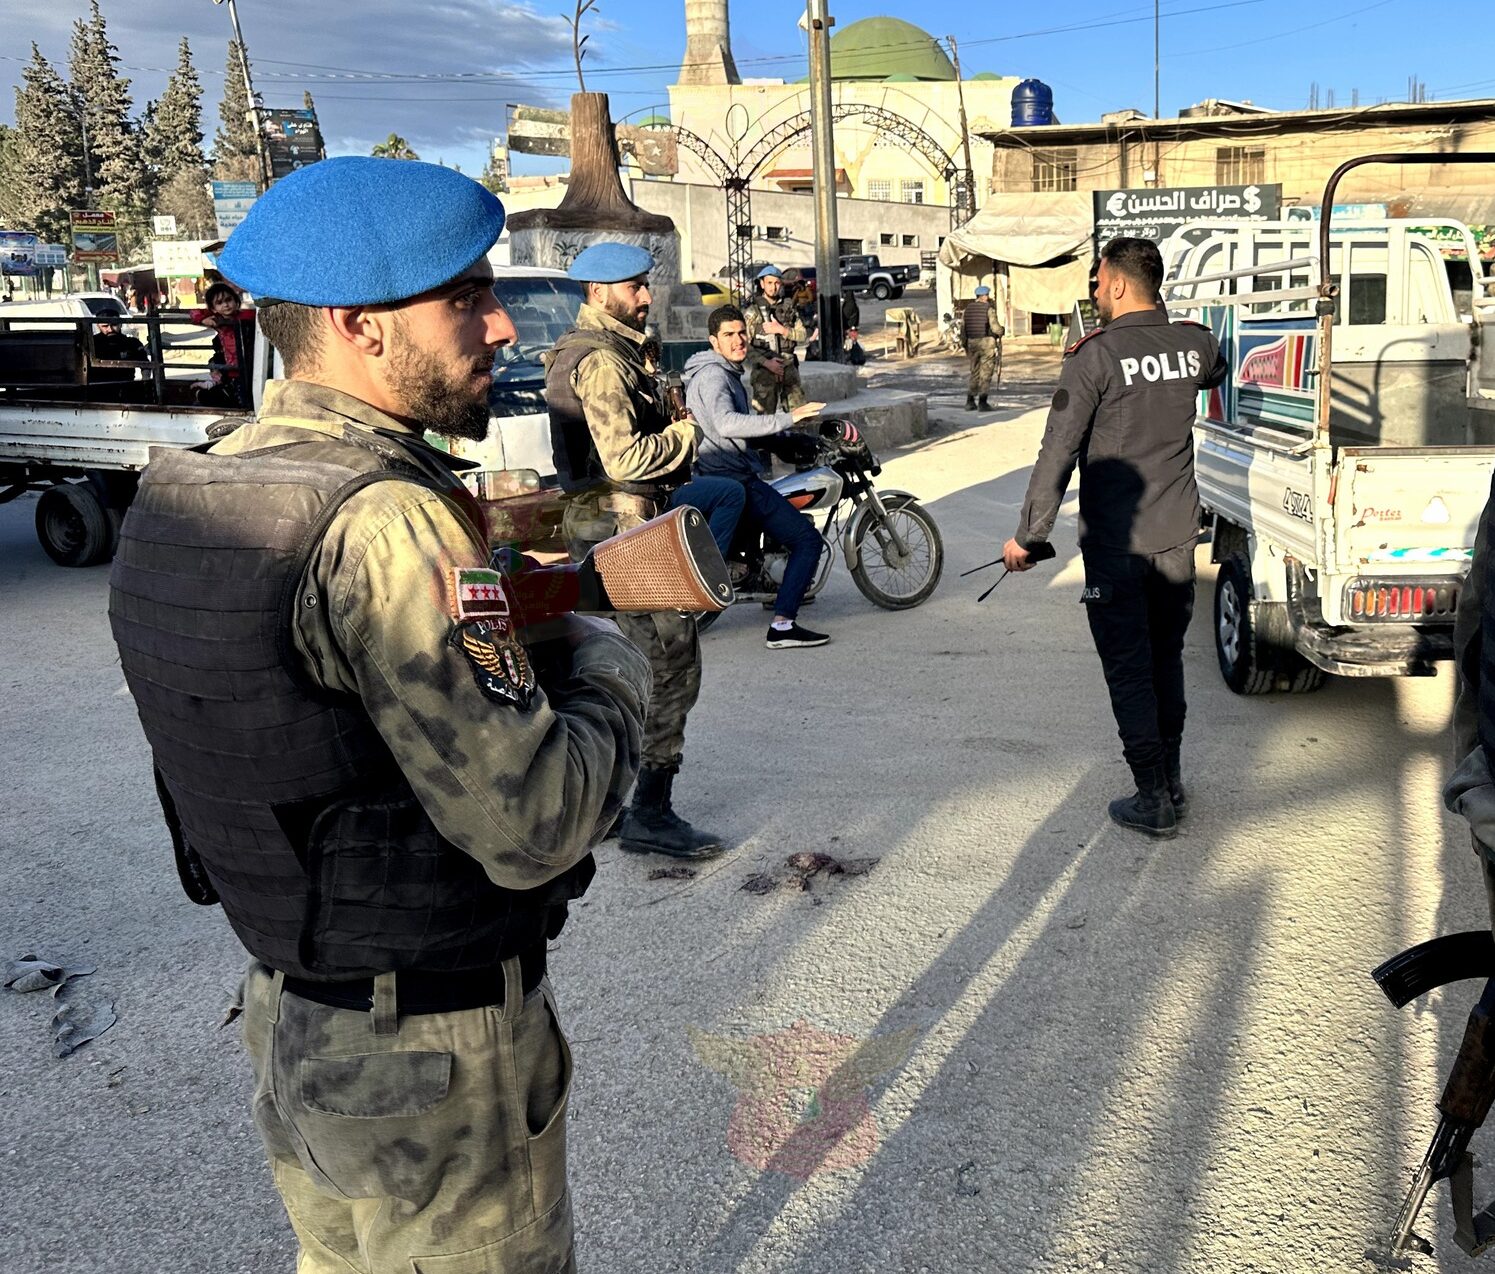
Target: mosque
{"x": 897, "y": 103}
{"x": 896, "y": 92}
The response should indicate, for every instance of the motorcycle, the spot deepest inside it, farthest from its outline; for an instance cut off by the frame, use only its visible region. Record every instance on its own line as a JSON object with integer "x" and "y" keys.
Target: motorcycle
{"x": 889, "y": 540}
{"x": 951, "y": 337}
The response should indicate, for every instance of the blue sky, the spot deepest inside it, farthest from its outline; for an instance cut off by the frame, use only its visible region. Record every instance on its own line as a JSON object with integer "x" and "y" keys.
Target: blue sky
{"x": 441, "y": 75}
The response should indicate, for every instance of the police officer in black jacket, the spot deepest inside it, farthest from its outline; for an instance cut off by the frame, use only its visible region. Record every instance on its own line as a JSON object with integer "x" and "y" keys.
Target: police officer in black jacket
{"x": 1124, "y": 410}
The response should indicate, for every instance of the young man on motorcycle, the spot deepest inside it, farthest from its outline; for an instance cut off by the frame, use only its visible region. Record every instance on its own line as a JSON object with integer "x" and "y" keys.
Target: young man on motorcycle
{"x": 718, "y": 400}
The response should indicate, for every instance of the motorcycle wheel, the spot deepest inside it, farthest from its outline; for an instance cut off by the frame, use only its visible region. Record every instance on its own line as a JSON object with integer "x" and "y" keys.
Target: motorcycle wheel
{"x": 893, "y": 585}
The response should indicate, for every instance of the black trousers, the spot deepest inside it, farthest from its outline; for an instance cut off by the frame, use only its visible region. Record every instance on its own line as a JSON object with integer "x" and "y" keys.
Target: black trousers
{"x": 1139, "y": 608}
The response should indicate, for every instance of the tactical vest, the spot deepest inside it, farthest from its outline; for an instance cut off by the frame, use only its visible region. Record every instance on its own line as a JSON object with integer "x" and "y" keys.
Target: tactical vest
{"x": 1487, "y": 658}
{"x": 325, "y": 862}
{"x": 782, "y": 311}
{"x": 577, "y": 464}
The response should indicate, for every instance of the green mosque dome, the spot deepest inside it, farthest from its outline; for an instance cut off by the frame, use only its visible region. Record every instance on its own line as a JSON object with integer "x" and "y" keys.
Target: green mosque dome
{"x": 887, "y": 49}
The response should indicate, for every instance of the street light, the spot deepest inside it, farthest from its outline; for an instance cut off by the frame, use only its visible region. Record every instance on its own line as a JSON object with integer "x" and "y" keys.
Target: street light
{"x": 254, "y": 106}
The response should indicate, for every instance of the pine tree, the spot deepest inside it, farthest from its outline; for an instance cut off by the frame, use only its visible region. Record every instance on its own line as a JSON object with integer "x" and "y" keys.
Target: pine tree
{"x": 173, "y": 134}
{"x": 236, "y": 146}
{"x": 47, "y": 164}
{"x": 119, "y": 182}
{"x": 184, "y": 195}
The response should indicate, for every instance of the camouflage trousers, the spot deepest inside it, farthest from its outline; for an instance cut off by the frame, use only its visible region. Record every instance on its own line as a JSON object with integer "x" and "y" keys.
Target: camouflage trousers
{"x": 776, "y": 393}
{"x": 668, "y": 640}
{"x": 985, "y": 356}
{"x": 436, "y": 1148}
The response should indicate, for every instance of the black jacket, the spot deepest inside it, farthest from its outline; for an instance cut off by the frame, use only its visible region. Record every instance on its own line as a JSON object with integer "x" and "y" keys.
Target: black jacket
{"x": 1125, "y": 411}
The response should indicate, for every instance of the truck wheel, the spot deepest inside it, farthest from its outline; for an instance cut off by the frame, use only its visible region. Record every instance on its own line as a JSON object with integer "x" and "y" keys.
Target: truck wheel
{"x": 73, "y": 526}
{"x": 897, "y": 292}
{"x": 881, "y": 291}
{"x": 1254, "y": 640}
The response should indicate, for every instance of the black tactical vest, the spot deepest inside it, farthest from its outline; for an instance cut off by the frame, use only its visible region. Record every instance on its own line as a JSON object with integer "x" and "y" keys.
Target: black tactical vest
{"x": 326, "y": 864}
{"x": 1487, "y": 655}
{"x": 577, "y": 465}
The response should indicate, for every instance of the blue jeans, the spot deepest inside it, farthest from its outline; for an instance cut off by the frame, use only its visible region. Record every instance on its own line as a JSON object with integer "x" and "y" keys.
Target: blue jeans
{"x": 720, "y": 500}
{"x": 789, "y": 527}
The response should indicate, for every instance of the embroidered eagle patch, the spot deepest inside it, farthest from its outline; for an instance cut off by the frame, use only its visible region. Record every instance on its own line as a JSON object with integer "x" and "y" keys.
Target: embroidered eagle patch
{"x": 500, "y": 665}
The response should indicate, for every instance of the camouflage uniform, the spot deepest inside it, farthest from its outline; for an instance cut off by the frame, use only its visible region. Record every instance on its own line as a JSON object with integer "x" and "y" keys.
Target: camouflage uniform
{"x": 438, "y": 1142}
{"x": 984, "y": 355}
{"x": 667, "y": 638}
{"x": 774, "y": 393}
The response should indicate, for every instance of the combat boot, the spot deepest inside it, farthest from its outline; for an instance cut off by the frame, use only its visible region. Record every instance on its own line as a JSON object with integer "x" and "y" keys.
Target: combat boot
{"x": 1149, "y": 810}
{"x": 1173, "y": 766}
{"x": 650, "y": 826}
{"x": 983, "y": 404}
{"x": 970, "y": 402}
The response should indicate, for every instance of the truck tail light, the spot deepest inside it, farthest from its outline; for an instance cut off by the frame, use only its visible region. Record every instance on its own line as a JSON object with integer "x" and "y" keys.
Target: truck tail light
{"x": 1401, "y": 601}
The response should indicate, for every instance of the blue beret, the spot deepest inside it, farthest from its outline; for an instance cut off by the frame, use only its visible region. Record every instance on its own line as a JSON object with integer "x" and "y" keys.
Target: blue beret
{"x": 610, "y": 263}
{"x": 361, "y": 231}
{"x": 769, "y": 272}
{"x": 983, "y": 291}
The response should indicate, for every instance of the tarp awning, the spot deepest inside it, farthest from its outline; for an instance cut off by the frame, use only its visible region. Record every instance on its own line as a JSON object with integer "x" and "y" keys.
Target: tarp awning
{"x": 1024, "y": 230}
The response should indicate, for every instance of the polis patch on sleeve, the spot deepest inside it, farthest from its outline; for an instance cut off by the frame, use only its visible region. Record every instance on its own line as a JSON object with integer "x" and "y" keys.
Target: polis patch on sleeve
{"x": 500, "y": 665}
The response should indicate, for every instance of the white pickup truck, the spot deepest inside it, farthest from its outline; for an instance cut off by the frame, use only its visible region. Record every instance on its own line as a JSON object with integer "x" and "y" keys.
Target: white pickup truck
{"x": 1344, "y": 465}
{"x": 80, "y": 429}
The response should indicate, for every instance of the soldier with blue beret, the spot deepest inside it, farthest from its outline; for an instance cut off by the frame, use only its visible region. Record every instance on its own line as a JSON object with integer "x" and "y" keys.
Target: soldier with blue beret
{"x": 981, "y": 332}
{"x": 623, "y": 459}
{"x": 775, "y": 329}
{"x": 392, "y": 795}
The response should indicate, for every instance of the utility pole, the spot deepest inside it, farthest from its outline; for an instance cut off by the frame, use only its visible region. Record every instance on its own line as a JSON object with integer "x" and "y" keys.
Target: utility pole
{"x": 823, "y": 160}
{"x": 254, "y": 106}
{"x": 968, "y": 177}
{"x": 1157, "y": 45}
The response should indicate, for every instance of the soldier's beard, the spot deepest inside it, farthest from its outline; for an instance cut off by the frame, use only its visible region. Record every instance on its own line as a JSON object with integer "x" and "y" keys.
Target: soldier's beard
{"x": 634, "y": 316}
{"x": 437, "y": 393}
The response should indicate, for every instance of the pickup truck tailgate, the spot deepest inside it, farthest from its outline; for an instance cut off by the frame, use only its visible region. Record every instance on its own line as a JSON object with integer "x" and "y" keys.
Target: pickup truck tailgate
{"x": 1409, "y": 506}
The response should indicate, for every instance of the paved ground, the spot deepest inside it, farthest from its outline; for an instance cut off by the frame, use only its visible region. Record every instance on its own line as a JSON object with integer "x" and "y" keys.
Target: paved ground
{"x": 1023, "y": 1040}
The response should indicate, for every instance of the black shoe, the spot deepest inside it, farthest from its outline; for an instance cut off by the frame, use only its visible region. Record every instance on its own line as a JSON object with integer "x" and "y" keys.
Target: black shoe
{"x": 650, "y": 826}
{"x": 983, "y": 404}
{"x": 793, "y": 638}
{"x": 1149, "y": 810}
{"x": 1174, "y": 770}
{"x": 970, "y": 402}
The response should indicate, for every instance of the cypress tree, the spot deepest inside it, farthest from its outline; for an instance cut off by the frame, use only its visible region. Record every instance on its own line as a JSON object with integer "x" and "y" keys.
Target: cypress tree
{"x": 236, "y": 153}
{"x": 47, "y": 156}
{"x": 119, "y": 182}
{"x": 173, "y": 132}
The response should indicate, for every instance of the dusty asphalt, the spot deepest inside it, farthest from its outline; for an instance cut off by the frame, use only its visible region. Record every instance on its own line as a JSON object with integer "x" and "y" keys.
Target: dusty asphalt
{"x": 1082, "y": 1050}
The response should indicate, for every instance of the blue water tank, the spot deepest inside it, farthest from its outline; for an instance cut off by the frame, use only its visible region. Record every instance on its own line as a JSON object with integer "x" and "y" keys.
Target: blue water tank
{"x": 1032, "y": 103}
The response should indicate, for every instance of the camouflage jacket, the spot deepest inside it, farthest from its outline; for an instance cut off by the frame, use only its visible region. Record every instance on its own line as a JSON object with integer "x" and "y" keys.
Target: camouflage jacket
{"x": 761, "y": 345}
{"x": 526, "y": 792}
{"x": 607, "y": 382}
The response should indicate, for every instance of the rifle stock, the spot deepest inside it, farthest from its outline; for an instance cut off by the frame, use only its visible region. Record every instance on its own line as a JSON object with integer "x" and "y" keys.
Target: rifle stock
{"x": 667, "y": 563}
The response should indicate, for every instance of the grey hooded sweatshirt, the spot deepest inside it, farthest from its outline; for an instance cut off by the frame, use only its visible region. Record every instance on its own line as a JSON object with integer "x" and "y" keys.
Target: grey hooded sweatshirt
{"x": 718, "y": 399}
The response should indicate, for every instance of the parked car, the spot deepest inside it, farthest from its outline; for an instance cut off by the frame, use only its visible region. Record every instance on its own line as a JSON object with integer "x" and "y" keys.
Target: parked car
{"x": 713, "y": 293}
{"x": 863, "y": 273}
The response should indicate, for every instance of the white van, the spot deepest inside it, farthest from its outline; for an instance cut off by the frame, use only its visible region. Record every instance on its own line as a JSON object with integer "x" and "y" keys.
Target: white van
{"x": 73, "y": 305}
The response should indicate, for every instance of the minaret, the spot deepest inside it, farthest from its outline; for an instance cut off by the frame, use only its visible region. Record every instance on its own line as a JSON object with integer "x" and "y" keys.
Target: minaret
{"x": 708, "y": 45}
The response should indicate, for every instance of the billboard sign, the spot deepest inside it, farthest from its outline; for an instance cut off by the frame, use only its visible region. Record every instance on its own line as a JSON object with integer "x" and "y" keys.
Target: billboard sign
{"x": 1155, "y": 213}
{"x": 18, "y": 250}
{"x": 178, "y": 258}
{"x": 231, "y": 202}
{"x": 292, "y": 139}
{"x": 95, "y": 240}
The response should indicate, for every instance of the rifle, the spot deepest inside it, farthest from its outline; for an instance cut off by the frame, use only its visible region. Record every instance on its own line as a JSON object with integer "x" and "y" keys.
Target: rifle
{"x": 667, "y": 563}
{"x": 1468, "y": 1094}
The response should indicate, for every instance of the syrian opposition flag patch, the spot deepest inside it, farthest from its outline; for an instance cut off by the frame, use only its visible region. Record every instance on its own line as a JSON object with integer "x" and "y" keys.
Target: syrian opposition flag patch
{"x": 477, "y": 593}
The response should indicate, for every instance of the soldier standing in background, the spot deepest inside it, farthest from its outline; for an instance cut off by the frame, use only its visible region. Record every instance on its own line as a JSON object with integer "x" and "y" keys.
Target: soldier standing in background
{"x": 982, "y": 332}
{"x": 622, "y": 458}
{"x": 774, "y": 328}
{"x": 393, "y": 798}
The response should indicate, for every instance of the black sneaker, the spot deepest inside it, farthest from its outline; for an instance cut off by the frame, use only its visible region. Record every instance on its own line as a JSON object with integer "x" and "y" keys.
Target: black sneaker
{"x": 793, "y": 638}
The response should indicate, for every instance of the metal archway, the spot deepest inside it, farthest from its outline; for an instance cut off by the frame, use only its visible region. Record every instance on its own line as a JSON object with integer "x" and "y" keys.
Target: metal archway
{"x": 897, "y": 128}
{"x": 739, "y": 206}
